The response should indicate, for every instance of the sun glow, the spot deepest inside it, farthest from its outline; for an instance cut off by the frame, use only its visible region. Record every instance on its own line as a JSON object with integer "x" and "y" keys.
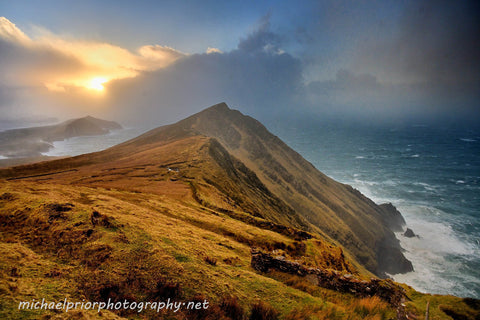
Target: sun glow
{"x": 97, "y": 83}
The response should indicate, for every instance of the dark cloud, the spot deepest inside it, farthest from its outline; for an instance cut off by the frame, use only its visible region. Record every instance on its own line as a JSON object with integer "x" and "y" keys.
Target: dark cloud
{"x": 424, "y": 61}
{"x": 345, "y": 80}
{"x": 261, "y": 40}
{"x": 353, "y": 94}
{"x": 256, "y": 77}
{"x": 424, "y": 69}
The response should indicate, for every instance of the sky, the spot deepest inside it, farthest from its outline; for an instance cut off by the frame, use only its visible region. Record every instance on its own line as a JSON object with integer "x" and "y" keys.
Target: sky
{"x": 154, "y": 62}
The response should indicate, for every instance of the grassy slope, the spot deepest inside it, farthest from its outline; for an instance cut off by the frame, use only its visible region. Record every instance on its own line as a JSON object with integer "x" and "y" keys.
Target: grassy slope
{"x": 147, "y": 238}
{"x": 151, "y": 237}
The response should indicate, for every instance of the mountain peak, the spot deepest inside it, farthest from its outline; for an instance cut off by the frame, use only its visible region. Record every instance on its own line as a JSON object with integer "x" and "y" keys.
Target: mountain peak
{"x": 222, "y": 106}
{"x": 219, "y": 111}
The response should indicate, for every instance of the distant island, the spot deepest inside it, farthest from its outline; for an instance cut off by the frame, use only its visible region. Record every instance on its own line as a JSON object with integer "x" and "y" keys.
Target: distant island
{"x": 30, "y": 143}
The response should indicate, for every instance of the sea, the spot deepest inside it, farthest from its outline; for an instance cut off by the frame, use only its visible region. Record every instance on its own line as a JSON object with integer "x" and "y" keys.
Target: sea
{"x": 86, "y": 144}
{"x": 431, "y": 173}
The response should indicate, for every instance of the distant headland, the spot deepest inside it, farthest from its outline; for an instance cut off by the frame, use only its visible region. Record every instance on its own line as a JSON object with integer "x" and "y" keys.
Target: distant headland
{"x": 31, "y": 143}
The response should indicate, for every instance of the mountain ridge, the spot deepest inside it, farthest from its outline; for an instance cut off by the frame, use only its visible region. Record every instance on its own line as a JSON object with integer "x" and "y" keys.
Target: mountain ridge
{"x": 304, "y": 197}
{"x": 248, "y": 140}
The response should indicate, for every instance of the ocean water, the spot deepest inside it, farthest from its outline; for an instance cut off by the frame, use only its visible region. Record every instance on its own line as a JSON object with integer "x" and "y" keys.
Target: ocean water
{"x": 430, "y": 173}
{"x": 86, "y": 144}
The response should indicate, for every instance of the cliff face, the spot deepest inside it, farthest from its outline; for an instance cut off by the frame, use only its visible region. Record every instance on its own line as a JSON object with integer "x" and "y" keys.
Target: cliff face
{"x": 231, "y": 162}
{"x": 312, "y": 201}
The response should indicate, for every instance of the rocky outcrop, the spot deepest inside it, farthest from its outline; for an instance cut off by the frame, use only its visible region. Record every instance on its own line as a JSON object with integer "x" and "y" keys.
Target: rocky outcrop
{"x": 392, "y": 260}
{"x": 409, "y": 233}
{"x": 392, "y": 217}
{"x": 331, "y": 279}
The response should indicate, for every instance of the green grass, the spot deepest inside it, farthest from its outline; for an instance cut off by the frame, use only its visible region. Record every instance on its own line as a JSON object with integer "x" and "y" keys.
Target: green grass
{"x": 181, "y": 258}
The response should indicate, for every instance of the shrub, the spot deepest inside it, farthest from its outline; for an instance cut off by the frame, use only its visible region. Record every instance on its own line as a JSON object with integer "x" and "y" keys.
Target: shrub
{"x": 456, "y": 314}
{"x": 232, "y": 308}
{"x": 296, "y": 314}
{"x": 263, "y": 311}
{"x": 165, "y": 289}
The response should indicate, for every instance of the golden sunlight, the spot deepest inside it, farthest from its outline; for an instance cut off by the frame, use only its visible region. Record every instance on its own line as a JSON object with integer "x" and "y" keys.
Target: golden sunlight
{"x": 97, "y": 83}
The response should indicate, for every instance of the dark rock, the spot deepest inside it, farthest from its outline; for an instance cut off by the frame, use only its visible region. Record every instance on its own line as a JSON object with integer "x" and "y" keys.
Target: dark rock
{"x": 409, "y": 233}
{"x": 56, "y": 210}
{"x": 392, "y": 218}
{"x": 390, "y": 259}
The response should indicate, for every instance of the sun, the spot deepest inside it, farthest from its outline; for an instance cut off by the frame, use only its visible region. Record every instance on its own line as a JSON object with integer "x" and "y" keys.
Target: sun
{"x": 97, "y": 83}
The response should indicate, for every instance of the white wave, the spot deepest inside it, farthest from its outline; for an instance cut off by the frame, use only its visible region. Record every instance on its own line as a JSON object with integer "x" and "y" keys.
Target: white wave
{"x": 436, "y": 237}
{"x": 434, "y": 273}
{"x": 426, "y": 186}
{"x": 371, "y": 189}
{"x": 468, "y": 140}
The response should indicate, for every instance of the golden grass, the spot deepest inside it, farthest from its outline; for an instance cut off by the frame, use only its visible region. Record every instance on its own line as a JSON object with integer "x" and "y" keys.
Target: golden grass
{"x": 143, "y": 231}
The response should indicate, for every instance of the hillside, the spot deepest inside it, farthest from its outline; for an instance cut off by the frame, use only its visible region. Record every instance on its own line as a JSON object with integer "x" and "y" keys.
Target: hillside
{"x": 213, "y": 207}
{"x": 317, "y": 202}
{"x": 32, "y": 142}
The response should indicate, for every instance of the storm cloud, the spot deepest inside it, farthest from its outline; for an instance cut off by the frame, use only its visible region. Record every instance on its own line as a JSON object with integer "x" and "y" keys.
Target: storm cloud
{"x": 256, "y": 77}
